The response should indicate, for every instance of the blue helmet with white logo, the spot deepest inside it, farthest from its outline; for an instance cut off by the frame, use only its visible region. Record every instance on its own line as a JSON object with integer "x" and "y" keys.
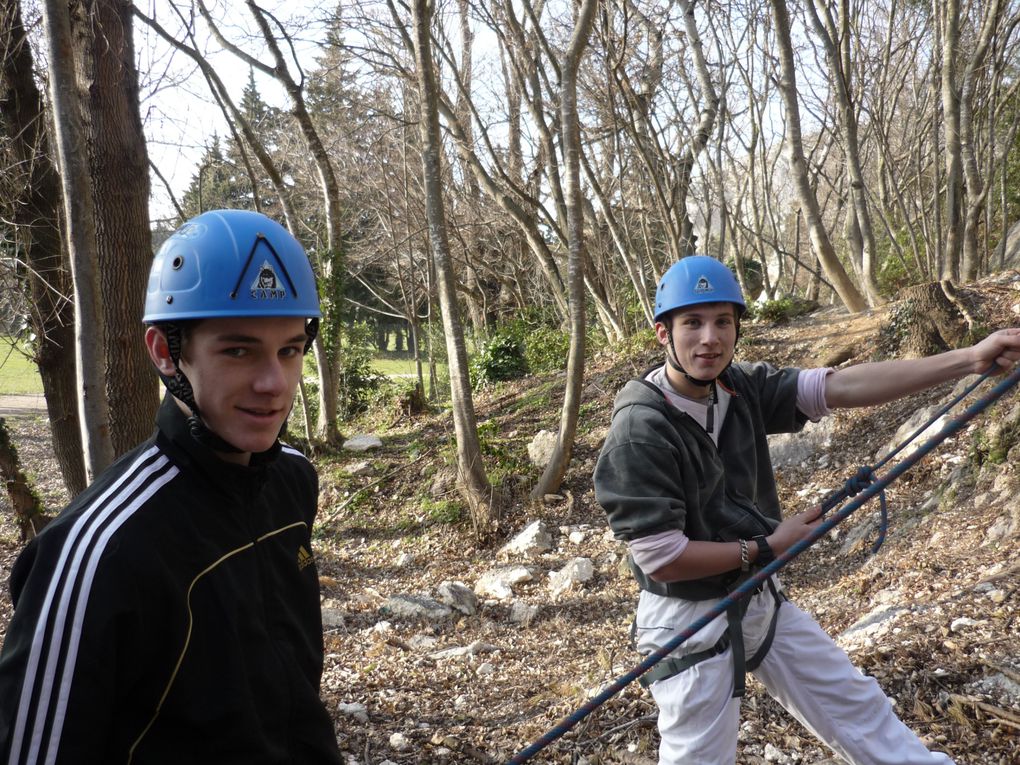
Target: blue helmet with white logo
{"x": 226, "y": 264}
{"x": 697, "y": 279}
{"x": 230, "y": 263}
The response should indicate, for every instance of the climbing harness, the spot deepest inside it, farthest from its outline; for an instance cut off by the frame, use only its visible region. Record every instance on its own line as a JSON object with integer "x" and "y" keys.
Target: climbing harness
{"x": 734, "y": 635}
{"x": 863, "y": 493}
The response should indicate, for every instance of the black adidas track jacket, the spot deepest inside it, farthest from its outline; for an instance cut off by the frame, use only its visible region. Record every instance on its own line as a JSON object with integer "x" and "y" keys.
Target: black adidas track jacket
{"x": 171, "y": 615}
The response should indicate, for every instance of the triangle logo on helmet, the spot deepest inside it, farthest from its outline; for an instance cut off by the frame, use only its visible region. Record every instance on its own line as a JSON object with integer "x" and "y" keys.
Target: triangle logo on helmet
{"x": 703, "y": 285}
{"x": 267, "y": 284}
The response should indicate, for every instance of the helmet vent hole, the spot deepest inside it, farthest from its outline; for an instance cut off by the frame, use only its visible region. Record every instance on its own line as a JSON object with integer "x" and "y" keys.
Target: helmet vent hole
{"x": 169, "y": 299}
{"x": 176, "y": 263}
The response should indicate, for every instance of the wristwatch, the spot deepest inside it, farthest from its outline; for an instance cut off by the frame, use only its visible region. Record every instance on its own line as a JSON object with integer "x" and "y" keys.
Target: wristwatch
{"x": 765, "y": 554}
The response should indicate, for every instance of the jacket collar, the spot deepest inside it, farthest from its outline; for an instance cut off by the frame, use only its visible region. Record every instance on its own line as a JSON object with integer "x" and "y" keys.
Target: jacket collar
{"x": 175, "y": 435}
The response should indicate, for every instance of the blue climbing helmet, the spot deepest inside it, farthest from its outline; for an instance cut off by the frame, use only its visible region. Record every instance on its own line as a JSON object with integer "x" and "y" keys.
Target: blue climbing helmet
{"x": 226, "y": 264}
{"x": 229, "y": 263}
{"x": 697, "y": 279}
{"x": 690, "y": 281}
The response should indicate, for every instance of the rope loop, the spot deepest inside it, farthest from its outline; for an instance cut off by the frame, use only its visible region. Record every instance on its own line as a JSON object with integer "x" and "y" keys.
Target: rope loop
{"x": 864, "y": 477}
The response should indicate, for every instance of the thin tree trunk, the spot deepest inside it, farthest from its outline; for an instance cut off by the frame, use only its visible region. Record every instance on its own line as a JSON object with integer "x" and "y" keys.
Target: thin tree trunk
{"x": 949, "y": 261}
{"x": 552, "y": 477}
{"x": 119, "y": 176}
{"x": 836, "y": 44}
{"x": 330, "y": 262}
{"x": 36, "y": 219}
{"x": 472, "y": 480}
{"x": 977, "y": 189}
{"x": 848, "y": 293}
{"x": 90, "y": 330}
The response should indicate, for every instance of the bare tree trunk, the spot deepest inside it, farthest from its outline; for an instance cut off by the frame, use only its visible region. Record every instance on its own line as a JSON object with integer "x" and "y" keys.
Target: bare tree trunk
{"x": 552, "y": 477}
{"x": 949, "y": 261}
{"x": 820, "y": 241}
{"x": 977, "y": 189}
{"x": 36, "y": 199}
{"x": 472, "y": 480}
{"x": 119, "y": 174}
{"x": 79, "y": 212}
{"x": 837, "y": 52}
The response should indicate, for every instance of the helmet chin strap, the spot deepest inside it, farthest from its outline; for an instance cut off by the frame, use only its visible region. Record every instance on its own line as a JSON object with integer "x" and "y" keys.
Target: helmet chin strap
{"x": 673, "y": 360}
{"x": 180, "y": 387}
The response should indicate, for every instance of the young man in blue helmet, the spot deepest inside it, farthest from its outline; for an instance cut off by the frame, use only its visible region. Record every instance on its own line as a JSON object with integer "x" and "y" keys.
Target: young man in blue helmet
{"x": 171, "y": 613}
{"x": 686, "y": 481}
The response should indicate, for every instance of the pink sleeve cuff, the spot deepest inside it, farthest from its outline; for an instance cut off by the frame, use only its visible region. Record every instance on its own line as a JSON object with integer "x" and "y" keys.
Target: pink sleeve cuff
{"x": 811, "y": 392}
{"x": 653, "y": 552}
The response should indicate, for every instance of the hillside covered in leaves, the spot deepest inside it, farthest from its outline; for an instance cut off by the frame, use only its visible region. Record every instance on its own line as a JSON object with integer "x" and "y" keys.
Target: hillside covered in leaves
{"x": 414, "y": 675}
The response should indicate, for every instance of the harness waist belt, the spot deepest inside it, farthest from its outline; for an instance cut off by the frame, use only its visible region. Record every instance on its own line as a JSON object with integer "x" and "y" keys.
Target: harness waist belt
{"x": 674, "y": 665}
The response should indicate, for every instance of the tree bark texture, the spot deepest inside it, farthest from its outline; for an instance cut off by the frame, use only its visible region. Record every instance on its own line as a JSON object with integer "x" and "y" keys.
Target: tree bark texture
{"x": 79, "y": 212}
{"x": 118, "y": 164}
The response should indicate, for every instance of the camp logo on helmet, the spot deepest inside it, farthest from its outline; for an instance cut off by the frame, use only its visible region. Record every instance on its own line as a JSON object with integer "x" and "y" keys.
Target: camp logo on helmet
{"x": 703, "y": 286}
{"x": 267, "y": 284}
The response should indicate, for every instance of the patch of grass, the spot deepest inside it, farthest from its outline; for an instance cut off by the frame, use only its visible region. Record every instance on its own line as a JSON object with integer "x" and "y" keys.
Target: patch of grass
{"x": 431, "y": 512}
{"x": 586, "y": 419}
{"x": 18, "y": 375}
{"x": 400, "y": 366}
{"x": 538, "y": 398}
{"x": 781, "y": 310}
{"x": 445, "y": 512}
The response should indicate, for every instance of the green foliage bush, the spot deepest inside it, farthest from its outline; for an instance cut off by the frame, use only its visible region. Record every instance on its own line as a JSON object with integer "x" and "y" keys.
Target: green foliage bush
{"x": 501, "y": 357}
{"x": 895, "y": 274}
{"x": 993, "y": 443}
{"x": 545, "y": 349}
{"x": 358, "y": 382}
{"x": 781, "y": 310}
{"x": 445, "y": 511}
{"x": 893, "y": 331}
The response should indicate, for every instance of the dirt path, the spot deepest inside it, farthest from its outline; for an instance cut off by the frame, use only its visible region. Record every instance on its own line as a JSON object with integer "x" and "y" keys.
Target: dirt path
{"x": 30, "y": 404}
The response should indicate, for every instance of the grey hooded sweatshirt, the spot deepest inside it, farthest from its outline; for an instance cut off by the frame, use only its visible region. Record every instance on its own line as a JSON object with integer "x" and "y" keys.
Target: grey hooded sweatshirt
{"x": 659, "y": 470}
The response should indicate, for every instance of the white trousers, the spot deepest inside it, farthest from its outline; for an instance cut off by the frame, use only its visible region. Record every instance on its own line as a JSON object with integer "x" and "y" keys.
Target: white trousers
{"x": 804, "y": 670}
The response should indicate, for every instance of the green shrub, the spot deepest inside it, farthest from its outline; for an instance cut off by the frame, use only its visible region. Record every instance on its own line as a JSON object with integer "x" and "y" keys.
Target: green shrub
{"x": 501, "y": 357}
{"x": 993, "y": 443}
{"x": 545, "y": 349}
{"x": 445, "y": 512}
{"x": 895, "y": 274}
{"x": 781, "y": 310}
{"x": 358, "y": 382}
{"x": 893, "y": 331}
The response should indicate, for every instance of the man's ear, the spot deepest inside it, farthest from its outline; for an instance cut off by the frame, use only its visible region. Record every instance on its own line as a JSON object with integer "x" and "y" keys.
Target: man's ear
{"x": 661, "y": 333}
{"x": 159, "y": 351}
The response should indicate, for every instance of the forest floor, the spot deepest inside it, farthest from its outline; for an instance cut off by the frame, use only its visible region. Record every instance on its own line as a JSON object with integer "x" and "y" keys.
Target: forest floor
{"x": 939, "y": 602}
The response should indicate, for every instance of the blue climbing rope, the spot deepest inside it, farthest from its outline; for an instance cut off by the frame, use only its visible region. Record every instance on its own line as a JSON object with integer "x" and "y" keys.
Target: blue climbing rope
{"x": 865, "y": 475}
{"x": 876, "y": 486}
